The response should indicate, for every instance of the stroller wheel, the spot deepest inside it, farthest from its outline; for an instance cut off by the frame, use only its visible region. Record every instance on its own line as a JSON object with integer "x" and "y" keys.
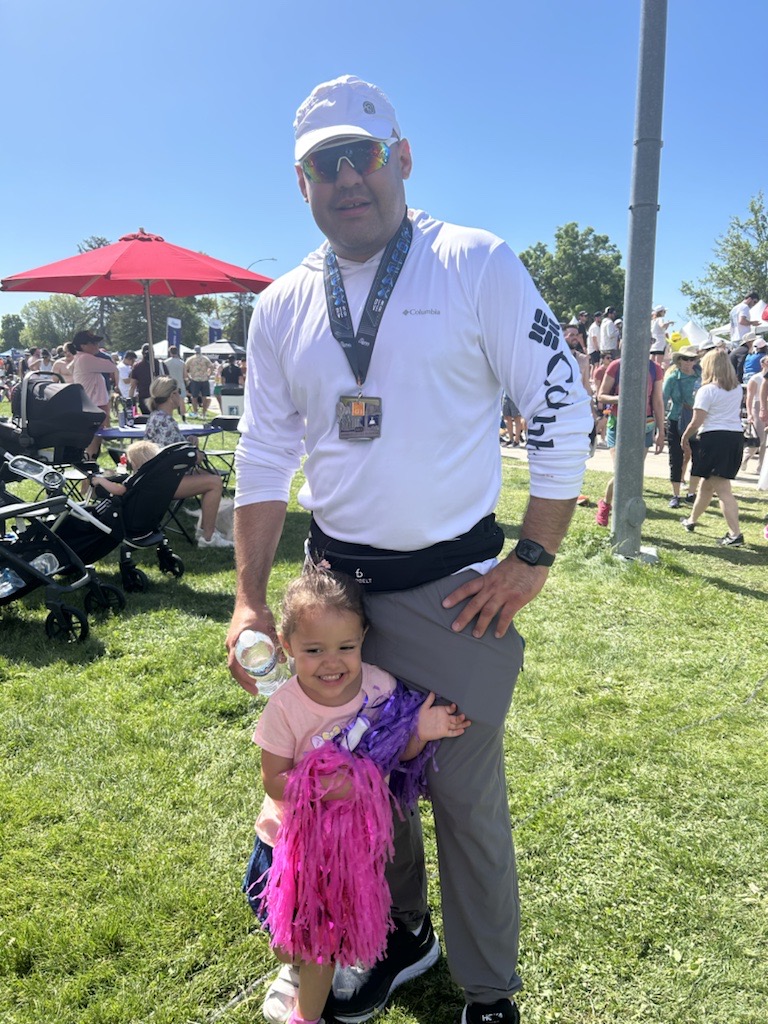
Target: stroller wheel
{"x": 70, "y": 625}
{"x": 173, "y": 565}
{"x": 134, "y": 580}
{"x": 104, "y": 598}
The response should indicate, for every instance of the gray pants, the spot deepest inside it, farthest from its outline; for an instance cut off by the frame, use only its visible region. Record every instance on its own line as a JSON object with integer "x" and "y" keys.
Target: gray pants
{"x": 410, "y": 636}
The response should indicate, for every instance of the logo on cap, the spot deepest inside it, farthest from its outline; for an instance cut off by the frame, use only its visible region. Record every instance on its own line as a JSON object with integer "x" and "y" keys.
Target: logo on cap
{"x": 369, "y": 108}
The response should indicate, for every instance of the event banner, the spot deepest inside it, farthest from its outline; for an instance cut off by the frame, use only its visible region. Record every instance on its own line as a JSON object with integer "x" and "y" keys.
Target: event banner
{"x": 215, "y": 330}
{"x": 174, "y": 331}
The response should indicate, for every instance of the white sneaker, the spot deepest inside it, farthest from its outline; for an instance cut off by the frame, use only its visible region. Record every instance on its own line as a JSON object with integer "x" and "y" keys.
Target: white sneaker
{"x": 282, "y": 994}
{"x": 216, "y": 541}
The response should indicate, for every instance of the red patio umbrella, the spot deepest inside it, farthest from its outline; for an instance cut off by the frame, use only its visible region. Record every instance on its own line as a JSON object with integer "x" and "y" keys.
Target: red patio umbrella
{"x": 139, "y": 264}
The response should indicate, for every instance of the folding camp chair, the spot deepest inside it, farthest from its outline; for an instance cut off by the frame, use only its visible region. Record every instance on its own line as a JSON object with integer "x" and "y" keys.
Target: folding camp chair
{"x": 221, "y": 460}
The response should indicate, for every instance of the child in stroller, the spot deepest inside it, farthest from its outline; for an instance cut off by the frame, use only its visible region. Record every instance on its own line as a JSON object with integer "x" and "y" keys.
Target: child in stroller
{"x": 206, "y": 486}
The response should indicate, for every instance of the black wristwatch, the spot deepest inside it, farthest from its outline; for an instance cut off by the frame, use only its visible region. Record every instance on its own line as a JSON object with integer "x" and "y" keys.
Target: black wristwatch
{"x": 532, "y": 553}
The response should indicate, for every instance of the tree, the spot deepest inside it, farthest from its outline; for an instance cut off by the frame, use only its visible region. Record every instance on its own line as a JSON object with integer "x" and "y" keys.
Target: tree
{"x": 236, "y": 312}
{"x": 55, "y": 321}
{"x": 11, "y": 327}
{"x": 740, "y": 266}
{"x": 128, "y": 322}
{"x": 101, "y": 308}
{"x": 583, "y": 272}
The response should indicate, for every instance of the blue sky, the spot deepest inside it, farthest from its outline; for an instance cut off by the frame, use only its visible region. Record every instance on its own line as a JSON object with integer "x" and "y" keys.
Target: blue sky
{"x": 177, "y": 117}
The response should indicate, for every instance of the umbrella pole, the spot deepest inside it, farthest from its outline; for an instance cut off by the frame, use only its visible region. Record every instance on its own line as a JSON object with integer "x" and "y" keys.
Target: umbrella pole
{"x": 148, "y": 308}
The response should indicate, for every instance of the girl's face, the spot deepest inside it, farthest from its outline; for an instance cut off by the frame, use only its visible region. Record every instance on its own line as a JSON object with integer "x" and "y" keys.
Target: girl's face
{"x": 326, "y": 647}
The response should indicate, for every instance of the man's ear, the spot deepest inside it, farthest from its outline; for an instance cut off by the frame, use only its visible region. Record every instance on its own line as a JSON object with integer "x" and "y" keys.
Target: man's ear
{"x": 302, "y": 183}
{"x": 406, "y": 158}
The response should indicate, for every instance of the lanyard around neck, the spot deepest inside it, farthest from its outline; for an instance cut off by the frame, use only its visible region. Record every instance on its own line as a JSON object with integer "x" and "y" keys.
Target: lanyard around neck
{"x": 358, "y": 346}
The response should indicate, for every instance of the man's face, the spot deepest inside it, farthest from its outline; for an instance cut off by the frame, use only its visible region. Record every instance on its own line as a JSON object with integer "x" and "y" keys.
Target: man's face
{"x": 358, "y": 214}
{"x": 751, "y": 302}
{"x": 572, "y": 336}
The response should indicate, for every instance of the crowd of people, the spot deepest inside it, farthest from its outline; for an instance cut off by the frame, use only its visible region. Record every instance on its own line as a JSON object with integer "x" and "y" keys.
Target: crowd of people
{"x": 157, "y": 392}
{"x": 675, "y": 378}
{"x": 199, "y": 377}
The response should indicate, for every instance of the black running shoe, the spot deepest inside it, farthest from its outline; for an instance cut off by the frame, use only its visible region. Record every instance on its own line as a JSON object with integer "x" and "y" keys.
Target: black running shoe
{"x": 359, "y": 993}
{"x": 689, "y": 526}
{"x": 732, "y": 542}
{"x": 674, "y": 501}
{"x": 690, "y": 498}
{"x": 503, "y": 1011}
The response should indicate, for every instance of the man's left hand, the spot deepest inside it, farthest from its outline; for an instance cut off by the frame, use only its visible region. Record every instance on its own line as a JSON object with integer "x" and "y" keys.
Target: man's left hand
{"x": 503, "y": 591}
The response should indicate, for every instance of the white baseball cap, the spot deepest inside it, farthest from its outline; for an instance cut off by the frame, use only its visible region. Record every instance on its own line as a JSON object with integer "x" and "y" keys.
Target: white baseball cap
{"x": 344, "y": 108}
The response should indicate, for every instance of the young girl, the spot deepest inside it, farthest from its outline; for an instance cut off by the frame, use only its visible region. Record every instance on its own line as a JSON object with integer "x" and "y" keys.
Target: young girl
{"x": 322, "y": 629}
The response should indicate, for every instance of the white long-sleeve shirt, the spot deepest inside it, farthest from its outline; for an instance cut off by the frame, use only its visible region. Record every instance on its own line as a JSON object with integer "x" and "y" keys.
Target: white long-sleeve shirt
{"x": 464, "y": 321}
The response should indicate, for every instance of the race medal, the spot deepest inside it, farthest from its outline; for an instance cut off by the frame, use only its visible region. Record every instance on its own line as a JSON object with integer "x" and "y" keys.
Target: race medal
{"x": 359, "y": 417}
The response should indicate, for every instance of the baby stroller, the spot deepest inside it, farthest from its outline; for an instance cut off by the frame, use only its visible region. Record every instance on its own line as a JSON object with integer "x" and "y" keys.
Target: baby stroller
{"x": 32, "y": 553}
{"x": 52, "y": 421}
{"x": 136, "y": 518}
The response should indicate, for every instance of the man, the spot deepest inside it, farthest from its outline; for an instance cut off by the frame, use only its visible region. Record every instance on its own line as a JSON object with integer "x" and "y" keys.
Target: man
{"x": 609, "y": 334}
{"x": 463, "y": 320}
{"x": 581, "y": 323}
{"x": 754, "y": 359}
{"x": 176, "y": 369}
{"x": 140, "y": 379}
{"x": 741, "y": 352}
{"x": 573, "y": 341}
{"x": 124, "y": 368}
{"x": 740, "y": 319}
{"x": 199, "y": 369}
{"x": 593, "y": 341}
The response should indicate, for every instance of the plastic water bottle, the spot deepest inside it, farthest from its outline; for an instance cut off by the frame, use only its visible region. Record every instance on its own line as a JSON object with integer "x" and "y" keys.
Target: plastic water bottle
{"x": 257, "y": 655}
{"x": 9, "y": 582}
{"x": 47, "y": 562}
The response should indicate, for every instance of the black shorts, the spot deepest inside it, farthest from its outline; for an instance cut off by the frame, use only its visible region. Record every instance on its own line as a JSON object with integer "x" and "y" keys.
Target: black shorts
{"x": 717, "y": 453}
{"x": 199, "y": 389}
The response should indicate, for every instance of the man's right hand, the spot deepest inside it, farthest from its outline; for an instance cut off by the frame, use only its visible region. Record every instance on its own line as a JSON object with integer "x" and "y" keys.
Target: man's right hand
{"x": 259, "y": 619}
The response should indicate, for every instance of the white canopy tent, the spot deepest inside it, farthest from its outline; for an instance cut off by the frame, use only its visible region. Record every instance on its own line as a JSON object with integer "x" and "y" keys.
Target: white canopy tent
{"x": 161, "y": 350}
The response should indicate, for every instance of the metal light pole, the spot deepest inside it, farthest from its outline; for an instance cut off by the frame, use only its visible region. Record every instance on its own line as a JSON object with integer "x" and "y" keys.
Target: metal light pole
{"x": 264, "y": 259}
{"x": 628, "y": 505}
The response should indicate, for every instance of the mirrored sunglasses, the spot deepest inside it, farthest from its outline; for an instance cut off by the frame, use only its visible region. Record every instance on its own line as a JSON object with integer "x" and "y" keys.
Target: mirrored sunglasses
{"x": 365, "y": 156}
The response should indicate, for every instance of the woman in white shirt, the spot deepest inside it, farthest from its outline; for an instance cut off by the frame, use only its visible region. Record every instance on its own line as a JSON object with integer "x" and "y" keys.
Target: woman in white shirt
{"x": 717, "y": 449}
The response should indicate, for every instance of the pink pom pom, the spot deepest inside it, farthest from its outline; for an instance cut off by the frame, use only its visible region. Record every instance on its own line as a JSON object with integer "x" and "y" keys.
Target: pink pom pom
{"x": 327, "y": 899}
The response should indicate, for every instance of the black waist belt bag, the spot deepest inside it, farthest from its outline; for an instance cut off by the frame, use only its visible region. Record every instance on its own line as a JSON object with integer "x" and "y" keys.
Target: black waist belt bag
{"x": 378, "y": 569}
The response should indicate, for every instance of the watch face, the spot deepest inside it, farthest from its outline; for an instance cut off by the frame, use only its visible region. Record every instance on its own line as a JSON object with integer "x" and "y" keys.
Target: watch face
{"x": 529, "y": 551}
{"x": 532, "y": 553}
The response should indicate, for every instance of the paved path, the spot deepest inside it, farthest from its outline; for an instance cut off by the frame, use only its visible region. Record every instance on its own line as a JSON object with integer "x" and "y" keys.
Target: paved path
{"x": 655, "y": 466}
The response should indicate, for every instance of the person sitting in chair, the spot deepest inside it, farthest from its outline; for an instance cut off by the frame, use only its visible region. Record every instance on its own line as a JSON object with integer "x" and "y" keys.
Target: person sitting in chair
{"x": 163, "y": 430}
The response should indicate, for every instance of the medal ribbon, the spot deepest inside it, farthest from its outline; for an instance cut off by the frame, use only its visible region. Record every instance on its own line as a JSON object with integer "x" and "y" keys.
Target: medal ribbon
{"x": 358, "y": 347}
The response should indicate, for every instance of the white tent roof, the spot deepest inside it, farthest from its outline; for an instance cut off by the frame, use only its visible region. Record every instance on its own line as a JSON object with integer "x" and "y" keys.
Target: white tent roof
{"x": 161, "y": 350}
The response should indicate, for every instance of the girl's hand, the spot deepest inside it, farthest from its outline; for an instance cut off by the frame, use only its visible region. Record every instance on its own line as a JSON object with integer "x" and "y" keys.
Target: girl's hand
{"x": 436, "y": 722}
{"x": 337, "y": 786}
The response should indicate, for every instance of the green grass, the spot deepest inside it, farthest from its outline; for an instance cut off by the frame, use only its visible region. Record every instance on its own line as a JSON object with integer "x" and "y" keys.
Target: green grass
{"x": 637, "y": 781}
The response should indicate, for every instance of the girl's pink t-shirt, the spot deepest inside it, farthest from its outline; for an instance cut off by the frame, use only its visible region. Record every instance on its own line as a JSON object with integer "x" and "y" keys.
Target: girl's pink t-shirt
{"x": 292, "y": 724}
